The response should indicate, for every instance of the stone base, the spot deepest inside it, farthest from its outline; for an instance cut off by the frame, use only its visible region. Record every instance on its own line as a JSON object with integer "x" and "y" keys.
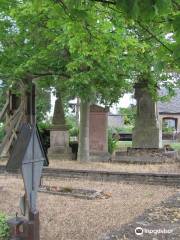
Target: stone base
{"x": 146, "y": 156}
{"x": 100, "y": 157}
{"x": 146, "y": 137}
{"x": 60, "y": 153}
{"x": 61, "y": 157}
{"x": 59, "y": 145}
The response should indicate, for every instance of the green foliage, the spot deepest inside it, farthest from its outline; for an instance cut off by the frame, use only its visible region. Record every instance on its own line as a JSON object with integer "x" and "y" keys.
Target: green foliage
{"x": 44, "y": 126}
{"x": 111, "y": 141}
{"x": 2, "y": 132}
{"x": 88, "y": 49}
{"x": 124, "y": 129}
{"x": 123, "y": 144}
{"x": 145, "y": 9}
{"x": 71, "y": 121}
{"x": 166, "y": 129}
{"x": 72, "y": 125}
{"x": 175, "y": 146}
{"x": 77, "y": 41}
{"x": 74, "y": 132}
{"x": 129, "y": 115}
{"x": 4, "y": 229}
{"x": 43, "y": 103}
{"x": 3, "y": 90}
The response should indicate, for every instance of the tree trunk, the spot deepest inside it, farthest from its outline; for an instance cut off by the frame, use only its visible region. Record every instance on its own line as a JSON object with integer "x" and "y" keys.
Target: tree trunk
{"x": 77, "y": 111}
{"x": 83, "y": 150}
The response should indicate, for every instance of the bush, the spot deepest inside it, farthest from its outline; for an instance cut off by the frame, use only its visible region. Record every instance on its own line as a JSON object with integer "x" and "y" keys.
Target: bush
{"x": 44, "y": 126}
{"x": 73, "y": 132}
{"x": 71, "y": 121}
{"x": 72, "y": 125}
{"x": 124, "y": 129}
{"x": 111, "y": 141}
{"x": 4, "y": 229}
{"x": 168, "y": 129}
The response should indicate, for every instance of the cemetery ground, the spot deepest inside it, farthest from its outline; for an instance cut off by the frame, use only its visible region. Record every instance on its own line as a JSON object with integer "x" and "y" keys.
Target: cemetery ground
{"x": 74, "y": 218}
{"x": 69, "y": 218}
{"x": 173, "y": 167}
{"x": 114, "y": 167}
{"x": 118, "y": 167}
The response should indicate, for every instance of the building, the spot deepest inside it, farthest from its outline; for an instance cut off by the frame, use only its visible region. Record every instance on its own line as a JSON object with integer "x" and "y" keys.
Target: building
{"x": 115, "y": 120}
{"x": 169, "y": 112}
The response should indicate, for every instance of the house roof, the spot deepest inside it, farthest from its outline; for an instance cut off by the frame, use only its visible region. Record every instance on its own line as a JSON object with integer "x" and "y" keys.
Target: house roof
{"x": 97, "y": 108}
{"x": 172, "y": 106}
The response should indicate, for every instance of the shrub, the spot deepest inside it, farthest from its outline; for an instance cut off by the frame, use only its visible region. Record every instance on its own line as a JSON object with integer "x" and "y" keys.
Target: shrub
{"x": 72, "y": 125}
{"x": 168, "y": 129}
{"x": 73, "y": 132}
{"x": 4, "y": 229}
{"x": 71, "y": 122}
{"x": 44, "y": 126}
{"x": 111, "y": 141}
{"x": 124, "y": 129}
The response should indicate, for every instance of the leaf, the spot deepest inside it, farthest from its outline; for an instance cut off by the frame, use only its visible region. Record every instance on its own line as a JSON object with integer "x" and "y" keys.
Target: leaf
{"x": 163, "y": 6}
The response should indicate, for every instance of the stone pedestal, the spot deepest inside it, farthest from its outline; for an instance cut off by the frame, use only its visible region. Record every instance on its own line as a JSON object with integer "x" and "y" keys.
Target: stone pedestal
{"x": 98, "y": 134}
{"x": 147, "y": 132}
{"x": 59, "y": 136}
{"x": 59, "y": 145}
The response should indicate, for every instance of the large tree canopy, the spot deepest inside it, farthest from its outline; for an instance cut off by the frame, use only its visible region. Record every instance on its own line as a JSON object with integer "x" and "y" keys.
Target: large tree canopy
{"x": 79, "y": 40}
{"x": 90, "y": 48}
{"x": 141, "y": 11}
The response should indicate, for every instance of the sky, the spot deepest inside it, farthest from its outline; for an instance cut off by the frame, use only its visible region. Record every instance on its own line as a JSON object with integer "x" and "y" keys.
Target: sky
{"x": 123, "y": 103}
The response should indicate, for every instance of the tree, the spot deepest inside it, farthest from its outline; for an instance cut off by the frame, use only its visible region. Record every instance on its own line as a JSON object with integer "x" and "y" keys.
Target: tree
{"x": 76, "y": 42}
{"x": 140, "y": 11}
{"x": 129, "y": 114}
{"x": 78, "y": 58}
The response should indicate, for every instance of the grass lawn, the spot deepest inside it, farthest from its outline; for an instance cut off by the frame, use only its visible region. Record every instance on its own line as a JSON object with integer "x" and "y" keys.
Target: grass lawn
{"x": 125, "y": 144}
{"x": 176, "y": 146}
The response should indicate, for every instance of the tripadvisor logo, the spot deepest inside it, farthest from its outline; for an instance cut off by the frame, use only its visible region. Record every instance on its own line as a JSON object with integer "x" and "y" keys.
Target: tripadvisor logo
{"x": 139, "y": 231}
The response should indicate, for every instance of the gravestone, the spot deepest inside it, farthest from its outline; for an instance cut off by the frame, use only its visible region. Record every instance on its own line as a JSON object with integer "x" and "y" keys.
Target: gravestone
{"x": 98, "y": 133}
{"x": 146, "y": 133}
{"x": 59, "y": 136}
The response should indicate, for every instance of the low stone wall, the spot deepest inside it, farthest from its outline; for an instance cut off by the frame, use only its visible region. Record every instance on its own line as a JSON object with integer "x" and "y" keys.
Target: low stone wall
{"x": 137, "y": 155}
{"x": 144, "y": 178}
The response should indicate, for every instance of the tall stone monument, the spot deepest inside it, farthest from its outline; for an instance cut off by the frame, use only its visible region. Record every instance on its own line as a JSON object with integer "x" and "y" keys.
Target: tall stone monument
{"x": 59, "y": 136}
{"x": 147, "y": 131}
{"x": 98, "y": 133}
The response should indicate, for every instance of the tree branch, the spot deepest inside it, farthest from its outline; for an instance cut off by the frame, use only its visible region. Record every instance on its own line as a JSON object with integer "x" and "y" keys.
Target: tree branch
{"x": 105, "y": 1}
{"x": 176, "y": 4}
{"x": 154, "y": 36}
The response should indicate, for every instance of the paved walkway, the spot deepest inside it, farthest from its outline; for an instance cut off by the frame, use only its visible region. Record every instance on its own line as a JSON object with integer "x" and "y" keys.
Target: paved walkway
{"x": 161, "y": 222}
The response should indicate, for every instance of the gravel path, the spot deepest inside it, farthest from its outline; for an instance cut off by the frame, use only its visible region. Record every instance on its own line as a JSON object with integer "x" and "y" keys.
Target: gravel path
{"x": 122, "y": 167}
{"x": 161, "y": 222}
{"x": 67, "y": 218}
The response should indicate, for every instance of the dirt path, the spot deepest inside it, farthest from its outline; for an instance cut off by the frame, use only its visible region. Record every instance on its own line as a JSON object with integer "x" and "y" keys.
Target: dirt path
{"x": 161, "y": 222}
{"x": 68, "y": 218}
{"x": 122, "y": 167}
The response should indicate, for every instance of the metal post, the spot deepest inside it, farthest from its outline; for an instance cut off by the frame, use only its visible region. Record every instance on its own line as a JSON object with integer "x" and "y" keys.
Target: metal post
{"x": 33, "y": 217}
{"x": 34, "y": 227}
